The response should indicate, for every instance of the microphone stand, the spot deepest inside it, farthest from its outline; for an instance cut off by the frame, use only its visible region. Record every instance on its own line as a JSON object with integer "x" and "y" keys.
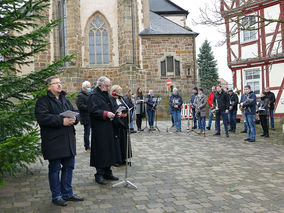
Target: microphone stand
{"x": 145, "y": 107}
{"x": 126, "y": 182}
{"x": 156, "y": 115}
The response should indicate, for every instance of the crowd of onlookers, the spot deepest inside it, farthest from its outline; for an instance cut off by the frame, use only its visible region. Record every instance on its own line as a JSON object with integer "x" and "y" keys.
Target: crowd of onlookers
{"x": 108, "y": 116}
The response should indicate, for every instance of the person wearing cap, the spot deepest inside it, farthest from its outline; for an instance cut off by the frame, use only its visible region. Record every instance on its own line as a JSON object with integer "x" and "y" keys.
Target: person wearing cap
{"x": 233, "y": 107}
{"x": 191, "y": 104}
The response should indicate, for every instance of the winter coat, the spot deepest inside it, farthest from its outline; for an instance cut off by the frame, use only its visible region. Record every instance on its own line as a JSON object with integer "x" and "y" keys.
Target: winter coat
{"x": 120, "y": 130}
{"x": 200, "y": 105}
{"x": 140, "y": 106}
{"x": 129, "y": 103}
{"x": 175, "y": 100}
{"x": 221, "y": 101}
{"x": 272, "y": 99}
{"x": 210, "y": 100}
{"x": 234, "y": 100}
{"x": 82, "y": 104}
{"x": 191, "y": 101}
{"x": 262, "y": 106}
{"x": 150, "y": 102}
{"x": 104, "y": 152}
{"x": 250, "y": 105}
{"x": 57, "y": 141}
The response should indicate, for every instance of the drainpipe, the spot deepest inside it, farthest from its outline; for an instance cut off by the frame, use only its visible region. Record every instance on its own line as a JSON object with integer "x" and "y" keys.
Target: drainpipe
{"x": 194, "y": 60}
{"x": 133, "y": 33}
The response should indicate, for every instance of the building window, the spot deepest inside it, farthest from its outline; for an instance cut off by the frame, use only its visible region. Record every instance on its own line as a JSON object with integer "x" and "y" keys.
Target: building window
{"x": 62, "y": 29}
{"x": 98, "y": 42}
{"x": 252, "y": 78}
{"x": 170, "y": 67}
{"x": 249, "y": 26}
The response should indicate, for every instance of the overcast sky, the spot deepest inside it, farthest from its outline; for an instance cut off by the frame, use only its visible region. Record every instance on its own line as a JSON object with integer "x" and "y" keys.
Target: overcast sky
{"x": 206, "y": 32}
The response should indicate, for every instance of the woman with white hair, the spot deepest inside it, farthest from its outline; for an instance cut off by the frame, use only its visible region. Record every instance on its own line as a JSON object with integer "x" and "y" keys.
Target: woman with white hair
{"x": 120, "y": 124}
{"x": 82, "y": 104}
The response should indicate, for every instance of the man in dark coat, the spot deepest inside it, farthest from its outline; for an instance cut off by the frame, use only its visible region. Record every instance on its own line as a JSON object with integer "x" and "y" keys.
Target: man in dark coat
{"x": 103, "y": 149}
{"x": 151, "y": 108}
{"x": 233, "y": 108}
{"x": 221, "y": 105}
{"x": 82, "y": 104}
{"x": 272, "y": 100}
{"x": 58, "y": 141}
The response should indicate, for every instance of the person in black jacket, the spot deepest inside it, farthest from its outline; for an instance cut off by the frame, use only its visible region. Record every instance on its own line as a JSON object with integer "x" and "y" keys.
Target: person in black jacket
{"x": 58, "y": 141}
{"x": 221, "y": 106}
{"x": 262, "y": 110}
{"x": 175, "y": 103}
{"x": 151, "y": 108}
{"x": 82, "y": 105}
{"x": 129, "y": 102}
{"x": 103, "y": 147}
{"x": 233, "y": 108}
{"x": 272, "y": 100}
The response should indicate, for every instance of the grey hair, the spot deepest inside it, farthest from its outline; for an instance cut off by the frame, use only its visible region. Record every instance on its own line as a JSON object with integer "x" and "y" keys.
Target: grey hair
{"x": 175, "y": 89}
{"x": 49, "y": 79}
{"x": 85, "y": 83}
{"x": 101, "y": 80}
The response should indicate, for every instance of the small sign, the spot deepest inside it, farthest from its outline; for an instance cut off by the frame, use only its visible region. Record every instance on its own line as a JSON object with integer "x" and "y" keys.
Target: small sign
{"x": 169, "y": 82}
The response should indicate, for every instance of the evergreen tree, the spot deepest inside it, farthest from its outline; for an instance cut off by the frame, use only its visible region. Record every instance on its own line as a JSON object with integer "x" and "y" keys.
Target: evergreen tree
{"x": 208, "y": 72}
{"x": 23, "y": 32}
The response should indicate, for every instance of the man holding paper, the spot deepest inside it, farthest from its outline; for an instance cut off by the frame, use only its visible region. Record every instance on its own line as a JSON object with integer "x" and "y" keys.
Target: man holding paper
{"x": 56, "y": 118}
{"x": 104, "y": 152}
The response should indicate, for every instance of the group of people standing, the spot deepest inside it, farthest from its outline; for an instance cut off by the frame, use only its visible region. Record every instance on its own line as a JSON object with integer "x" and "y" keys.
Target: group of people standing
{"x": 223, "y": 103}
{"x": 109, "y": 117}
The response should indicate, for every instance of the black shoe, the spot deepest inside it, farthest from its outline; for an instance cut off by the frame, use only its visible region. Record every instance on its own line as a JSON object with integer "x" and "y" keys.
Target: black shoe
{"x": 208, "y": 128}
{"x": 132, "y": 131}
{"x": 227, "y": 135}
{"x": 251, "y": 140}
{"x": 233, "y": 130}
{"x": 246, "y": 139}
{"x": 262, "y": 135}
{"x": 74, "y": 198}
{"x": 230, "y": 130}
{"x": 194, "y": 127}
{"x": 59, "y": 202}
{"x": 100, "y": 180}
{"x": 273, "y": 129}
{"x": 266, "y": 136}
{"x": 110, "y": 177}
{"x": 216, "y": 134}
{"x": 244, "y": 132}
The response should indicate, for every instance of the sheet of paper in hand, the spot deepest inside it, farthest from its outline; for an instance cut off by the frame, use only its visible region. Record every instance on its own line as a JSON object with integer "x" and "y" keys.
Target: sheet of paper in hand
{"x": 120, "y": 109}
{"x": 69, "y": 114}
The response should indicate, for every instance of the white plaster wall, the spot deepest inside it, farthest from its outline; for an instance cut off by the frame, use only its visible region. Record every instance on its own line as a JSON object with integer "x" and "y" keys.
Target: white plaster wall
{"x": 109, "y": 9}
{"x": 280, "y": 107}
{"x": 276, "y": 75}
{"x": 250, "y": 51}
{"x": 178, "y": 19}
{"x": 272, "y": 13}
{"x": 236, "y": 51}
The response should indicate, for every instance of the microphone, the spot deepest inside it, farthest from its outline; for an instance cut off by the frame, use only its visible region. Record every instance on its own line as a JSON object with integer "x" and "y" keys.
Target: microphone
{"x": 117, "y": 94}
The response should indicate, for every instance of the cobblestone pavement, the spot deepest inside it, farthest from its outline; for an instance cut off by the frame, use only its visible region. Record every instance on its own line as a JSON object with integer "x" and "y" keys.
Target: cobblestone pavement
{"x": 174, "y": 172}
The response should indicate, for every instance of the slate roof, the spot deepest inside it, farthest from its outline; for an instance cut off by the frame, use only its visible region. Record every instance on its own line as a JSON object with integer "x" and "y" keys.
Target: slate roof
{"x": 166, "y": 7}
{"x": 160, "y": 25}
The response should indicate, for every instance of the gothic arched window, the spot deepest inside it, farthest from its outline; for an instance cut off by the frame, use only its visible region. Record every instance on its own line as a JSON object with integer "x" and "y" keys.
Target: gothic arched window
{"x": 98, "y": 42}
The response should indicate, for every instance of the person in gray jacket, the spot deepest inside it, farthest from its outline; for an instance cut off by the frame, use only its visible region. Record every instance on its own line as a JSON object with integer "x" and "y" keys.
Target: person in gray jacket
{"x": 200, "y": 102}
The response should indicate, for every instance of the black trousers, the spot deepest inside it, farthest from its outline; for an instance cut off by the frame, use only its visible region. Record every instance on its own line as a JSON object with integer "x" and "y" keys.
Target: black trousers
{"x": 264, "y": 124}
{"x": 103, "y": 171}
{"x": 139, "y": 120}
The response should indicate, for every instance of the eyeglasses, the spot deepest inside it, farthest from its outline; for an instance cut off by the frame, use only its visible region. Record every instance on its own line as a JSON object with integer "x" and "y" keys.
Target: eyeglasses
{"x": 57, "y": 83}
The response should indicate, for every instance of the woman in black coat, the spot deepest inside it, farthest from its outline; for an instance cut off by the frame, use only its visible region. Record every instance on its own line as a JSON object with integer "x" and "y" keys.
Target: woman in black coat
{"x": 121, "y": 124}
{"x": 263, "y": 111}
{"x": 104, "y": 153}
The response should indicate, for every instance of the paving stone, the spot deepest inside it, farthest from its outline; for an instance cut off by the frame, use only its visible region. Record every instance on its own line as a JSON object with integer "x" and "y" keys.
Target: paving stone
{"x": 174, "y": 172}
